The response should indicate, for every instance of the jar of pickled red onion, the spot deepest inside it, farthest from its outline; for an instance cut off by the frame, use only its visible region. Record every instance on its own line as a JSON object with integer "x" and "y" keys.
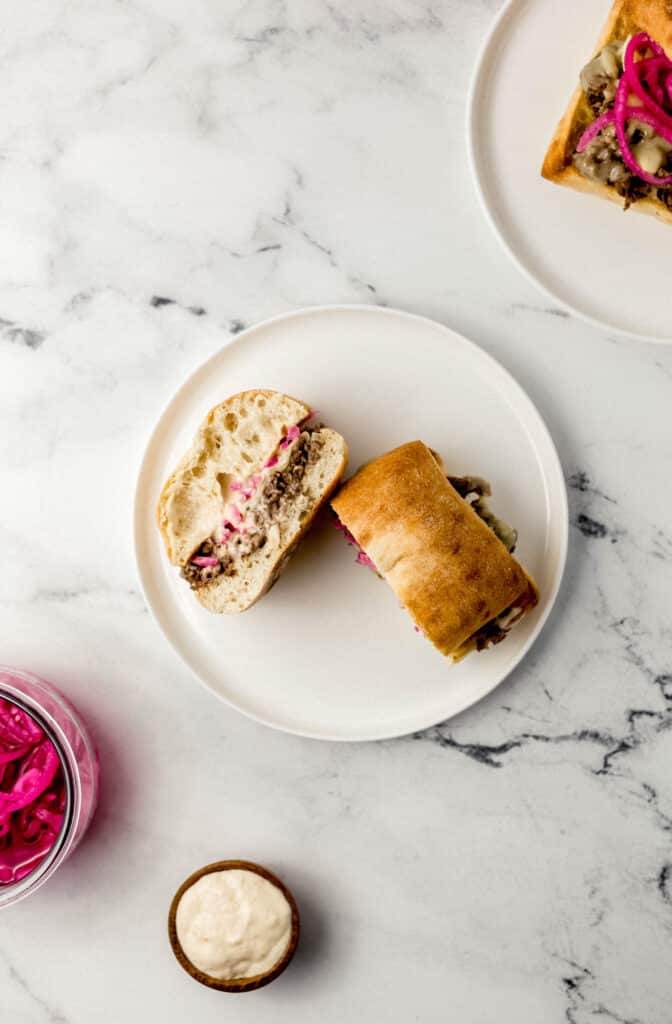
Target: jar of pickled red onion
{"x": 48, "y": 782}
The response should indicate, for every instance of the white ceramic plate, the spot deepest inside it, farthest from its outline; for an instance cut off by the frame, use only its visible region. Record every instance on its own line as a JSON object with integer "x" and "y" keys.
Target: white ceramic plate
{"x": 329, "y": 653}
{"x": 607, "y": 266}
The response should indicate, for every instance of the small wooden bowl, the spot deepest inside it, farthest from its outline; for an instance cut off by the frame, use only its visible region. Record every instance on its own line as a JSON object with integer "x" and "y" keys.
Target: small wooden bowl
{"x": 233, "y": 984}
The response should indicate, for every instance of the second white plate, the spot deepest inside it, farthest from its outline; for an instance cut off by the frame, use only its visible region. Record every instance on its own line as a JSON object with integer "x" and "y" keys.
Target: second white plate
{"x": 329, "y": 653}
{"x": 607, "y": 266}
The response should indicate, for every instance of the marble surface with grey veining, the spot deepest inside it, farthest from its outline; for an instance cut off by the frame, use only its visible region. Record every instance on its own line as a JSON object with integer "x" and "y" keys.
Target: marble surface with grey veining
{"x": 170, "y": 173}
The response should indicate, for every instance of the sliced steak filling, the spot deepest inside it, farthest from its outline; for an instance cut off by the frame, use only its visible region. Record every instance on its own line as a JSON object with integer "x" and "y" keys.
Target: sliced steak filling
{"x": 277, "y": 490}
{"x": 496, "y": 630}
{"x": 601, "y": 160}
{"x": 475, "y": 490}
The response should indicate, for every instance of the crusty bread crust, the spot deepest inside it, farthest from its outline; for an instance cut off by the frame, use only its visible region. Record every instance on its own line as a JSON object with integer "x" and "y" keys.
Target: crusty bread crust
{"x": 626, "y": 18}
{"x": 525, "y": 602}
{"x": 446, "y": 566}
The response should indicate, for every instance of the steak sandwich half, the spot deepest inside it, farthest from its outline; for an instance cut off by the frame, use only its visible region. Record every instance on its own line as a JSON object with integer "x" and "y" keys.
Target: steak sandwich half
{"x": 447, "y": 558}
{"x": 615, "y": 138}
{"x": 242, "y": 497}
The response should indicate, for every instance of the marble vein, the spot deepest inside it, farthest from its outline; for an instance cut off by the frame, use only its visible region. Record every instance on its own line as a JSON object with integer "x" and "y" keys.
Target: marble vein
{"x": 159, "y": 301}
{"x": 525, "y": 307}
{"x": 580, "y": 1006}
{"x": 45, "y": 1010}
{"x": 27, "y": 336}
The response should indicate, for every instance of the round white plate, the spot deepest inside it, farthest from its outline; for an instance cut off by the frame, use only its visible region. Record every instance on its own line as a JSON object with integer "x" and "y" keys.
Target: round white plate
{"x": 329, "y": 653}
{"x": 607, "y": 266}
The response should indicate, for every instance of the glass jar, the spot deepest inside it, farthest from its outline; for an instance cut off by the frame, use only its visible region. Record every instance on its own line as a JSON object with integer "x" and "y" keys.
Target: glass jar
{"x": 78, "y": 757}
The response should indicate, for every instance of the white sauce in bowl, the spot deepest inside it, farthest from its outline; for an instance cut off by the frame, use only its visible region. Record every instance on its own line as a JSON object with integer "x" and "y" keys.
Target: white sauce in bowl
{"x": 233, "y": 924}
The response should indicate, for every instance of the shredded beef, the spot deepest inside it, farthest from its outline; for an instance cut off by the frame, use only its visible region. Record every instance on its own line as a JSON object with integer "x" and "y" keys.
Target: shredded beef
{"x": 279, "y": 490}
{"x": 199, "y": 576}
{"x": 475, "y": 490}
{"x": 665, "y": 196}
{"x": 631, "y": 188}
{"x": 489, "y": 635}
{"x": 601, "y": 160}
{"x": 465, "y": 485}
{"x": 598, "y": 93}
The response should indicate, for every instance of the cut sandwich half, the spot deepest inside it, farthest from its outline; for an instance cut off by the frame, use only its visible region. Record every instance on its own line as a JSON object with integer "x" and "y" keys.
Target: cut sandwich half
{"x": 243, "y": 496}
{"x": 436, "y": 542}
{"x": 615, "y": 138}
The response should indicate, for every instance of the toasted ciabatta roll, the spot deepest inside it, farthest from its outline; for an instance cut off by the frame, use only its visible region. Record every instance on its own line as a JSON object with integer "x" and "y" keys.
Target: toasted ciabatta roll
{"x": 244, "y": 494}
{"x": 440, "y": 552}
{"x": 597, "y": 165}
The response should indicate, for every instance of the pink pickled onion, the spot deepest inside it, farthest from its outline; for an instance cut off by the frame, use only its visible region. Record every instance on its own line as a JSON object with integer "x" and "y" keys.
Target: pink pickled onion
{"x": 338, "y": 525}
{"x": 622, "y": 114}
{"x": 632, "y": 70}
{"x": 17, "y": 726}
{"x": 234, "y": 514}
{"x": 292, "y": 435}
{"x": 643, "y": 78}
{"x": 631, "y": 114}
{"x": 32, "y": 794}
{"x": 640, "y": 114}
{"x": 204, "y": 561}
{"x": 236, "y": 486}
{"x": 273, "y": 461}
{"x": 8, "y": 756}
{"x": 362, "y": 557}
{"x": 593, "y": 129}
{"x": 631, "y": 77}
{"x": 35, "y": 775}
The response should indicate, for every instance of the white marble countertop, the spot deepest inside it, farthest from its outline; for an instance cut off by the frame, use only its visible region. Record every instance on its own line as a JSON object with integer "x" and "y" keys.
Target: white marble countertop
{"x": 170, "y": 173}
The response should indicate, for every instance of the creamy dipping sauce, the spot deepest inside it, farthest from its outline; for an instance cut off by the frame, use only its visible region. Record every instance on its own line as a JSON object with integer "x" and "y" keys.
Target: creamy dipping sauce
{"x": 233, "y": 924}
